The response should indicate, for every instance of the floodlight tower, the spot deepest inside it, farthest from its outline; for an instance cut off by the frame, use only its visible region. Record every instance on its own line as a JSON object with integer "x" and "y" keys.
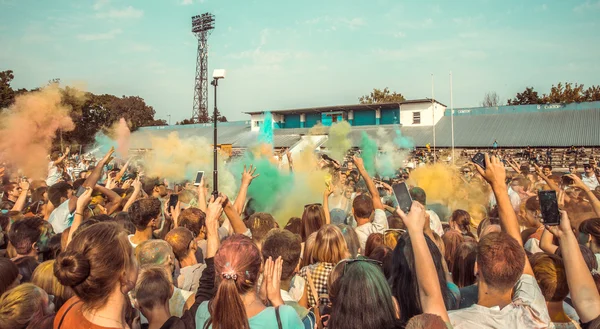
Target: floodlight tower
{"x": 202, "y": 26}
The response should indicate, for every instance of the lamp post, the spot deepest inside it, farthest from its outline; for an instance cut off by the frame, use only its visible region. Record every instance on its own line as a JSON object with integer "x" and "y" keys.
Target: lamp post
{"x": 217, "y": 74}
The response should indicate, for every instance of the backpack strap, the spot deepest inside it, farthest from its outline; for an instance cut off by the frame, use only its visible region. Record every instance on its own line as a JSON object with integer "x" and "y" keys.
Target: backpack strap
{"x": 316, "y": 311}
{"x": 279, "y": 325}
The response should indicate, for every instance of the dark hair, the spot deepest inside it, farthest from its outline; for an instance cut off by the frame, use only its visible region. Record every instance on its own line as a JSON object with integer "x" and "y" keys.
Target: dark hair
{"x": 24, "y": 233}
{"x": 313, "y": 218}
{"x": 452, "y": 239}
{"x": 395, "y": 222}
{"x": 94, "y": 262}
{"x": 588, "y": 256}
{"x": 85, "y": 224}
{"x": 463, "y": 220}
{"x": 286, "y": 244}
{"x": 418, "y": 194}
{"x": 361, "y": 289}
{"x": 193, "y": 219}
{"x": 143, "y": 211}
{"x": 9, "y": 272}
{"x": 500, "y": 260}
{"x": 351, "y": 238}
{"x": 58, "y": 191}
{"x": 294, "y": 225}
{"x": 403, "y": 278}
{"x": 363, "y": 206}
{"x": 373, "y": 241}
{"x": 54, "y": 247}
{"x": 237, "y": 266}
{"x": 463, "y": 266}
{"x": 152, "y": 288}
{"x": 547, "y": 167}
{"x": 591, "y": 227}
{"x": 384, "y": 255}
{"x": 260, "y": 224}
{"x": 124, "y": 220}
{"x": 26, "y": 266}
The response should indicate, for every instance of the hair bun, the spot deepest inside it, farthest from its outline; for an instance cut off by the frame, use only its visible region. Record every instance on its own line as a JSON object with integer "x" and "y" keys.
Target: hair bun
{"x": 71, "y": 268}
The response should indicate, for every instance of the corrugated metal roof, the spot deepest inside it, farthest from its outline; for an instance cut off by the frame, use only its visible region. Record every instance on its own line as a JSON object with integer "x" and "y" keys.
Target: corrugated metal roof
{"x": 553, "y": 129}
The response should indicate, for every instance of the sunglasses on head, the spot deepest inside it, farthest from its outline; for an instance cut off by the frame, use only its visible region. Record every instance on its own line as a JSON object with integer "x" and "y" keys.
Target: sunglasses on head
{"x": 355, "y": 260}
{"x": 312, "y": 204}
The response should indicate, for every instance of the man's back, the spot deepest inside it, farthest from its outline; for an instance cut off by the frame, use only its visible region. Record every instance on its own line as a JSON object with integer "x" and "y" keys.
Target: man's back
{"x": 527, "y": 310}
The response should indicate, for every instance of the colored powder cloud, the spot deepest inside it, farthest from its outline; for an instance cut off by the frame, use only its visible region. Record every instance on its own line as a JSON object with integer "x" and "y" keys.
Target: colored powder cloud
{"x": 339, "y": 143}
{"x": 30, "y": 125}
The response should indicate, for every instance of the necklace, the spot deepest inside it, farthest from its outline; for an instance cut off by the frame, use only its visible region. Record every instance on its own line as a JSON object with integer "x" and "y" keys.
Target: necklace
{"x": 106, "y": 318}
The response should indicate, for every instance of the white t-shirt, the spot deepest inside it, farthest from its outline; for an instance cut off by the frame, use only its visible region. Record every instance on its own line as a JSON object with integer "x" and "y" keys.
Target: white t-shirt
{"x": 527, "y": 310}
{"x": 378, "y": 225}
{"x": 131, "y": 242}
{"x": 54, "y": 174}
{"x": 435, "y": 223}
{"x": 61, "y": 218}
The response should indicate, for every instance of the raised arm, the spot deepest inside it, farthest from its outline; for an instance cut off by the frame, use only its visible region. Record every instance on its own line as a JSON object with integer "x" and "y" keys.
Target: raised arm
{"x": 62, "y": 158}
{"x": 430, "y": 291}
{"x": 495, "y": 175}
{"x": 583, "y": 290}
{"x": 20, "y": 204}
{"x": 234, "y": 217}
{"x": 247, "y": 177}
{"x": 358, "y": 162}
{"x": 92, "y": 180}
{"x": 326, "y": 194}
{"x": 82, "y": 203}
{"x": 137, "y": 188}
{"x": 122, "y": 171}
{"x": 590, "y": 195}
{"x": 114, "y": 199}
{"x": 546, "y": 243}
{"x": 201, "y": 196}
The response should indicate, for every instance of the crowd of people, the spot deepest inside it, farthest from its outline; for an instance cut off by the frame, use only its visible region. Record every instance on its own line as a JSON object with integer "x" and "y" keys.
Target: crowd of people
{"x": 99, "y": 245}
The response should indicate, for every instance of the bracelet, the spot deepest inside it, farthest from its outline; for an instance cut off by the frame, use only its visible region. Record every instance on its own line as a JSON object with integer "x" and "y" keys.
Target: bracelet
{"x": 78, "y": 213}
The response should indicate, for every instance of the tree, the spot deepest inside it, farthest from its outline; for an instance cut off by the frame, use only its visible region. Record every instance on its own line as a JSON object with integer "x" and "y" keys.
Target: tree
{"x": 528, "y": 96}
{"x": 592, "y": 94}
{"x": 566, "y": 93}
{"x": 7, "y": 94}
{"x": 491, "y": 99}
{"x": 381, "y": 96}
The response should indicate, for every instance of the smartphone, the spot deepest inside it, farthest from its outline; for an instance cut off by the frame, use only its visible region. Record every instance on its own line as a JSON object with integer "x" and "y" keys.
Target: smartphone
{"x": 80, "y": 191}
{"x": 199, "y": 176}
{"x": 403, "y": 197}
{"x": 173, "y": 199}
{"x": 549, "y": 207}
{"x": 479, "y": 159}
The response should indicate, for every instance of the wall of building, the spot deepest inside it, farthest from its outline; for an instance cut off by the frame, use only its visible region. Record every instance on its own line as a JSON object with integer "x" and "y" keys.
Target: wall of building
{"x": 364, "y": 118}
{"x": 524, "y": 108}
{"x": 427, "y": 114}
{"x": 390, "y": 117}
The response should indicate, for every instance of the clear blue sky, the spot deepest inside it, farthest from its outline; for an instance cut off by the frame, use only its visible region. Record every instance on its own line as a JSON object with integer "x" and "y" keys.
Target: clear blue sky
{"x": 285, "y": 54}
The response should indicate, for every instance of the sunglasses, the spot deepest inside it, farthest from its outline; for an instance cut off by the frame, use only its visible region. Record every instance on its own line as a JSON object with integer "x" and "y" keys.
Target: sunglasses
{"x": 312, "y": 204}
{"x": 356, "y": 260}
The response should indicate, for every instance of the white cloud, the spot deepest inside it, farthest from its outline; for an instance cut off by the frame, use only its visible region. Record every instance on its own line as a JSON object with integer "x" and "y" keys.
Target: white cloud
{"x": 99, "y": 4}
{"x": 100, "y": 36}
{"x": 586, "y": 6}
{"x": 128, "y": 12}
{"x": 334, "y": 23}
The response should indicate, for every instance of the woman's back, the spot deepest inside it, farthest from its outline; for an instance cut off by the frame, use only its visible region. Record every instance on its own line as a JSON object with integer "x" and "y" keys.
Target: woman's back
{"x": 267, "y": 319}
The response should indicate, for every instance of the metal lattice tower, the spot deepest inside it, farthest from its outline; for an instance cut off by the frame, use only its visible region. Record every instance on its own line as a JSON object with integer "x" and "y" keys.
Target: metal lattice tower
{"x": 202, "y": 26}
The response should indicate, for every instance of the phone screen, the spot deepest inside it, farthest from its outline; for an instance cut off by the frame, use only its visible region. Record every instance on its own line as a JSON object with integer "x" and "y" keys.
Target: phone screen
{"x": 549, "y": 207}
{"x": 479, "y": 159}
{"x": 403, "y": 197}
{"x": 80, "y": 191}
{"x": 199, "y": 176}
{"x": 173, "y": 199}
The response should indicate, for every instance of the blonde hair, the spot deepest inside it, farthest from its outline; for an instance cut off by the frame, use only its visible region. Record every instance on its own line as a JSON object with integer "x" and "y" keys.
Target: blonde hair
{"x": 390, "y": 238}
{"x": 44, "y": 277}
{"x": 330, "y": 245}
{"x": 21, "y": 305}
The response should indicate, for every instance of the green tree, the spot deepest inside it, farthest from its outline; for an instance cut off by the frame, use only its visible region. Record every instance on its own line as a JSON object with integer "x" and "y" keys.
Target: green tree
{"x": 381, "y": 96}
{"x": 528, "y": 96}
{"x": 7, "y": 94}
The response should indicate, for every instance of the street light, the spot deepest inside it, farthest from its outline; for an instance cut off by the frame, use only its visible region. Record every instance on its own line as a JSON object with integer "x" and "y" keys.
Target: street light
{"x": 217, "y": 74}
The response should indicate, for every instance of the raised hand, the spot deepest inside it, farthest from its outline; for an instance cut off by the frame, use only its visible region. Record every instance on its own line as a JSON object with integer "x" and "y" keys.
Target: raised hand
{"x": 358, "y": 161}
{"x": 416, "y": 217}
{"x": 248, "y": 175}
{"x": 494, "y": 173}
{"x": 563, "y": 228}
{"x": 84, "y": 199}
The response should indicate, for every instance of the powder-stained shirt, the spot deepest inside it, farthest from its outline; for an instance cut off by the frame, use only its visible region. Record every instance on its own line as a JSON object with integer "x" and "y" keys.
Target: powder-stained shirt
{"x": 527, "y": 310}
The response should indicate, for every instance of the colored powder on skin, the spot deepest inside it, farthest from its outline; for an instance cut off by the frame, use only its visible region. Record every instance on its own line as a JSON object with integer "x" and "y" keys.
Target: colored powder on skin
{"x": 31, "y": 124}
{"x": 369, "y": 152}
{"x": 338, "y": 143}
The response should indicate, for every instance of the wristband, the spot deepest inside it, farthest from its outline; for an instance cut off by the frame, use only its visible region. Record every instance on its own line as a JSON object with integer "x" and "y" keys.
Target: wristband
{"x": 78, "y": 213}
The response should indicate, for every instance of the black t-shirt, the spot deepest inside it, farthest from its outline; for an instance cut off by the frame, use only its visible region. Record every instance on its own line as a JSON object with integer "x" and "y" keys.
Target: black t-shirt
{"x": 469, "y": 296}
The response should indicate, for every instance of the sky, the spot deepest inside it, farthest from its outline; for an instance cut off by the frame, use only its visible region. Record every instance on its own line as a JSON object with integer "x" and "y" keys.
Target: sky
{"x": 282, "y": 54}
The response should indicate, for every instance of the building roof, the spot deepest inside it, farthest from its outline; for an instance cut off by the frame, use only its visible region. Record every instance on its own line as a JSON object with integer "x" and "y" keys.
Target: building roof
{"x": 354, "y": 107}
{"x": 550, "y": 129}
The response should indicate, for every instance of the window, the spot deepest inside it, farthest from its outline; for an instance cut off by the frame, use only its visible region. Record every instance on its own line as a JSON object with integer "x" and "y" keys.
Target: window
{"x": 416, "y": 118}
{"x": 257, "y": 123}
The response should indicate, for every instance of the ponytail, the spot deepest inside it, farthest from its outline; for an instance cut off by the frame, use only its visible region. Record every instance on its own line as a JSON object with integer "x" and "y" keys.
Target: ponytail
{"x": 227, "y": 308}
